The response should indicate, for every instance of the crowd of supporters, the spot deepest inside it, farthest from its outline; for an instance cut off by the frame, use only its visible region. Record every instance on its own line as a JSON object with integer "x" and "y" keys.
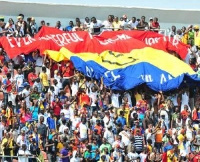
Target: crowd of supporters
{"x": 50, "y": 111}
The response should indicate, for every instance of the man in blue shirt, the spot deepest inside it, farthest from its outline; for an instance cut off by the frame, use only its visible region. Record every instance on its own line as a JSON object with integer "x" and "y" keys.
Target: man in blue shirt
{"x": 71, "y": 25}
{"x": 121, "y": 119}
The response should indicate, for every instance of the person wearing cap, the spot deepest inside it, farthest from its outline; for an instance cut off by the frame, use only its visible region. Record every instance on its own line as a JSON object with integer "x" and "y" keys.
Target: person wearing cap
{"x": 196, "y": 36}
{"x": 33, "y": 26}
{"x": 150, "y": 22}
{"x": 124, "y": 22}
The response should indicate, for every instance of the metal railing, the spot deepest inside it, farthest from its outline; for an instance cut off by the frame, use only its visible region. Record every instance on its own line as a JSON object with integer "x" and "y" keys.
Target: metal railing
{"x": 3, "y": 157}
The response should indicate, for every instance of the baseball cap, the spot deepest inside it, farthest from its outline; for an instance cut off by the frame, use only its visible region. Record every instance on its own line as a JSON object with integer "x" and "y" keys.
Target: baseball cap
{"x": 196, "y": 27}
{"x": 124, "y": 16}
{"x": 25, "y": 84}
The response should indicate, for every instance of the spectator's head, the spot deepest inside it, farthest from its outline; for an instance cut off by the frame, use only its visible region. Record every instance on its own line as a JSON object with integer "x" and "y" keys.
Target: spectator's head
{"x": 77, "y": 20}
{"x": 196, "y": 28}
{"x": 121, "y": 113}
{"x": 93, "y": 19}
{"x": 87, "y": 20}
{"x": 151, "y": 19}
{"x": 44, "y": 69}
{"x": 179, "y": 32}
{"x": 173, "y": 28}
{"x": 155, "y": 19}
{"x": 133, "y": 19}
{"x": 33, "y": 20}
{"x": 142, "y": 19}
{"x": 41, "y": 119}
{"x": 183, "y": 29}
{"x": 22, "y": 15}
{"x": 116, "y": 19}
{"x": 10, "y": 21}
{"x": 20, "y": 18}
{"x": 42, "y": 23}
{"x": 24, "y": 147}
{"x": 124, "y": 17}
{"x": 19, "y": 71}
{"x": 71, "y": 23}
{"x": 1, "y": 21}
{"x": 110, "y": 18}
{"x": 104, "y": 140}
{"x": 58, "y": 24}
{"x": 103, "y": 158}
{"x": 83, "y": 120}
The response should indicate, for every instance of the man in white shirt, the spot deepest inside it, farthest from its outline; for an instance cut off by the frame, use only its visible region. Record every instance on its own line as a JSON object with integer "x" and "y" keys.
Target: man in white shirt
{"x": 115, "y": 99}
{"x": 38, "y": 63}
{"x": 108, "y": 24}
{"x": 75, "y": 119}
{"x": 108, "y": 135}
{"x": 95, "y": 26}
{"x": 74, "y": 87}
{"x": 124, "y": 21}
{"x": 125, "y": 134}
{"x": 63, "y": 126}
{"x": 83, "y": 129}
{"x": 21, "y": 139}
{"x": 133, "y": 23}
{"x": 26, "y": 94}
{"x": 19, "y": 79}
{"x": 67, "y": 111}
{"x": 23, "y": 154}
{"x": 93, "y": 96}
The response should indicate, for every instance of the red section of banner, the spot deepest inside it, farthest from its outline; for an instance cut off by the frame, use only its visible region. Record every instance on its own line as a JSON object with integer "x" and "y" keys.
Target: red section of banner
{"x": 119, "y": 41}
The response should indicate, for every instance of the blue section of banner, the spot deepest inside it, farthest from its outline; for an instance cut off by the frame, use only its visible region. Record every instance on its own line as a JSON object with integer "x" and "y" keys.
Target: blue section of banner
{"x": 132, "y": 76}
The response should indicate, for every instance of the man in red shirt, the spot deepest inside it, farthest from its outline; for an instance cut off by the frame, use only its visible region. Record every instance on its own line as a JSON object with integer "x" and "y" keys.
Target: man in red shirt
{"x": 84, "y": 99}
{"x": 67, "y": 72}
{"x": 32, "y": 77}
{"x": 57, "y": 107}
{"x": 155, "y": 25}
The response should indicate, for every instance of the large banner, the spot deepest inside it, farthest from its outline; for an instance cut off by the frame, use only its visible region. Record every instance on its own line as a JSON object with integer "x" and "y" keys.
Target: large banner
{"x": 122, "y": 71}
{"x": 120, "y": 41}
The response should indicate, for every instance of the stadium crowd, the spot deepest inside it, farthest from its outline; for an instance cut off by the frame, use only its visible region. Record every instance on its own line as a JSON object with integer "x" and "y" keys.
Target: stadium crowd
{"x": 51, "y": 111}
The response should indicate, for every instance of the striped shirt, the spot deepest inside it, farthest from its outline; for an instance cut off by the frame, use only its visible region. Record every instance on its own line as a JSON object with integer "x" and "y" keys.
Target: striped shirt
{"x": 138, "y": 143}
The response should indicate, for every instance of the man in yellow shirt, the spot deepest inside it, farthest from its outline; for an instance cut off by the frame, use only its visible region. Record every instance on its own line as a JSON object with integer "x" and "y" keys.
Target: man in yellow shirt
{"x": 44, "y": 79}
{"x": 196, "y": 36}
{"x": 117, "y": 24}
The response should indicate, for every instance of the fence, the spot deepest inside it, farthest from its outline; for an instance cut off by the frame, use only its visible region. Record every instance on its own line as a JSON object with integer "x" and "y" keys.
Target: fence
{"x": 15, "y": 158}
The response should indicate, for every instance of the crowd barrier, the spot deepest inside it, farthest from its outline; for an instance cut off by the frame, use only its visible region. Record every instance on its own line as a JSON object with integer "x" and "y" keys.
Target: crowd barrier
{"x": 15, "y": 158}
